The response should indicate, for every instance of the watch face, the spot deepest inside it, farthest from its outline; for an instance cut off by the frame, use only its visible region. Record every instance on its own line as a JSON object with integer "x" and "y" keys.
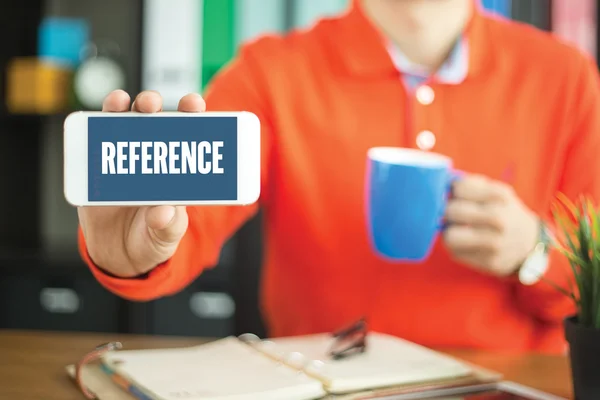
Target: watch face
{"x": 95, "y": 79}
{"x": 534, "y": 268}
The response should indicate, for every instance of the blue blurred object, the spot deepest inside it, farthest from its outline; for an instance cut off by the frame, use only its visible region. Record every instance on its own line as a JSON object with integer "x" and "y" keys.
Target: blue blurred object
{"x": 61, "y": 40}
{"x": 501, "y": 7}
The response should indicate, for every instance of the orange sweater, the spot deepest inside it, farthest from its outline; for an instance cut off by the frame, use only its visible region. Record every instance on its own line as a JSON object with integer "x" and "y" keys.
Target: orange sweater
{"x": 528, "y": 112}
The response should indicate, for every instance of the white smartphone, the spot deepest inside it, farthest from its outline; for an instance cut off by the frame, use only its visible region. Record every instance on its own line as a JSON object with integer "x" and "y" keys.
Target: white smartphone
{"x": 174, "y": 158}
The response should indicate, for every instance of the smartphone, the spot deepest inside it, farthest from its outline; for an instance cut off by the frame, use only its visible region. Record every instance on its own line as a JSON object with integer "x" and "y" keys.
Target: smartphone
{"x": 166, "y": 158}
{"x": 493, "y": 391}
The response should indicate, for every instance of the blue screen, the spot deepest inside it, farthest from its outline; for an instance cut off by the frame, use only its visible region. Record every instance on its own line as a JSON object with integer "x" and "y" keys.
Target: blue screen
{"x": 162, "y": 158}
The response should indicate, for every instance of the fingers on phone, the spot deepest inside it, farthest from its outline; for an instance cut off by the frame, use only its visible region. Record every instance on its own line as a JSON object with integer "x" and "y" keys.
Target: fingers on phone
{"x": 192, "y": 102}
{"x": 150, "y": 102}
{"x": 147, "y": 102}
{"x": 116, "y": 101}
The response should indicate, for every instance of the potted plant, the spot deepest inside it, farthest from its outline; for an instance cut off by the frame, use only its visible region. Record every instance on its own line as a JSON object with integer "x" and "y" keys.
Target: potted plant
{"x": 578, "y": 238}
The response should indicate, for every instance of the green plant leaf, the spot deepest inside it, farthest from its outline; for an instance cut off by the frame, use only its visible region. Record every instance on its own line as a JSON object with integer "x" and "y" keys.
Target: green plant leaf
{"x": 578, "y": 240}
{"x": 568, "y": 204}
{"x": 568, "y": 229}
{"x": 559, "y": 214}
{"x": 562, "y": 290}
{"x": 586, "y": 242}
{"x": 594, "y": 218}
{"x": 574, "y": 258}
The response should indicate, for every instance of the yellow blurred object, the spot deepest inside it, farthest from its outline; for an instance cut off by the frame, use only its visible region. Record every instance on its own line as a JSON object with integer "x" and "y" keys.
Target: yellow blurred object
{"x": 37, "y": 87}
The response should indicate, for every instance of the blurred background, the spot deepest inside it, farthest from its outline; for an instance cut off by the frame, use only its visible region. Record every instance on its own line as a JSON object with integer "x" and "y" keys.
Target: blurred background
{"x": 58, "y": 56}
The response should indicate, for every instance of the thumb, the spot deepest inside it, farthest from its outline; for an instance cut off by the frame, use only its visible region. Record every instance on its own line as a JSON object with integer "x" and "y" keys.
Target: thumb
{"x": 167, "y": 224}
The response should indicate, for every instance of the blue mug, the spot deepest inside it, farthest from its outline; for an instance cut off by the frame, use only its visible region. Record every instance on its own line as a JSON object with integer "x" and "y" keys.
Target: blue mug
{"x": 407, "y": 192}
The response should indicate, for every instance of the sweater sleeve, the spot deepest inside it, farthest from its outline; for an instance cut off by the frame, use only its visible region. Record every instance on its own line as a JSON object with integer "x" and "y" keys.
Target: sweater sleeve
{"x": 239, "y": 86}
{"x": 580, "y": 177}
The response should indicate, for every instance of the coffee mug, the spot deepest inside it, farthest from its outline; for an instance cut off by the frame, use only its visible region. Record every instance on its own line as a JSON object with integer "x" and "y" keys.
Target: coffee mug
{"x": 407, "y": 191}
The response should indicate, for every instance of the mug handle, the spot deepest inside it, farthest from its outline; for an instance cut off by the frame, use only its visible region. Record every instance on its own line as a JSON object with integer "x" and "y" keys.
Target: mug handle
{"x": 455, "y": 175}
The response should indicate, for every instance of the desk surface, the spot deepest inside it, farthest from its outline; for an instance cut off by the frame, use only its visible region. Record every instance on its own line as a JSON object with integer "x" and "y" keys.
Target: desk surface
{"x": 32, "y": 363}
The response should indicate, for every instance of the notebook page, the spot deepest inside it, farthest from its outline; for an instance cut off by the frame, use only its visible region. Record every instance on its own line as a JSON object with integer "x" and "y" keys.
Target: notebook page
{"x": 226, "y": 369}
{"x": 388, "y": 361}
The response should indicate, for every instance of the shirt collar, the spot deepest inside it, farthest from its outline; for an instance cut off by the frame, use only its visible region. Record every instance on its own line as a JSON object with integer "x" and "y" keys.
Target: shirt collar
{"x": 363, "y": 51}
{"x": 453, "y": 71}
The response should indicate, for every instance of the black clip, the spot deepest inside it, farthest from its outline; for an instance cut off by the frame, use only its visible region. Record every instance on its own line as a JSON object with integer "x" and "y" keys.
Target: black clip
{"x": 349, "y": 341}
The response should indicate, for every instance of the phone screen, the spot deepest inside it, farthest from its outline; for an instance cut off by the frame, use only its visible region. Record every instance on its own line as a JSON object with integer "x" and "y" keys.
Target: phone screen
{"x": 491, "y": 395}
{"x": 162, "y": 159}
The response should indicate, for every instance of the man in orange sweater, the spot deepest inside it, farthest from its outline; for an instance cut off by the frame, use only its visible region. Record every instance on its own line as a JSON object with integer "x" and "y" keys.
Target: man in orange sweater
{"x": 512, "y": 106}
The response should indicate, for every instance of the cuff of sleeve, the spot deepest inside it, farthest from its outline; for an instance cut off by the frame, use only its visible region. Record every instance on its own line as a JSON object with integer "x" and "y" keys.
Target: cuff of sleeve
{"x": 151, "y": 286}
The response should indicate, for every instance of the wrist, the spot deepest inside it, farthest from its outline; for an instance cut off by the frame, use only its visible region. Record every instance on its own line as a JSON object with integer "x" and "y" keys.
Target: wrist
{"x": 122, "y": 272}
{"x": 536, "y": 264}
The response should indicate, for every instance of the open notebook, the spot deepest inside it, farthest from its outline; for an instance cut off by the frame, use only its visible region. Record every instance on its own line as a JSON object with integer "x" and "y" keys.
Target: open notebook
{"x": 294, "y": 368}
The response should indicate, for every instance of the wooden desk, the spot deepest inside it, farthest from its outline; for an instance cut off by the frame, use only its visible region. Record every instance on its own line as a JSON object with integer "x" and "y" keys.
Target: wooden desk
{"x": 32, "y": 363}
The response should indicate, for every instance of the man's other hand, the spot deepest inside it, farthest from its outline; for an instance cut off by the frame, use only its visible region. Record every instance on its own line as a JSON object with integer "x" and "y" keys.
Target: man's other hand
{"x": 488, "y": 226}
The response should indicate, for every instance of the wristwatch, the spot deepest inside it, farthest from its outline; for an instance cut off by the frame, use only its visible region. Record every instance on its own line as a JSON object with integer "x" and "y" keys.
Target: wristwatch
{"x": 535, "y": 266}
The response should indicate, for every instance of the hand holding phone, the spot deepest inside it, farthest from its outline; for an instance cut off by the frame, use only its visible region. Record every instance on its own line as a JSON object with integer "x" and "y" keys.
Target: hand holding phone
{"x": 125, "y": 238}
